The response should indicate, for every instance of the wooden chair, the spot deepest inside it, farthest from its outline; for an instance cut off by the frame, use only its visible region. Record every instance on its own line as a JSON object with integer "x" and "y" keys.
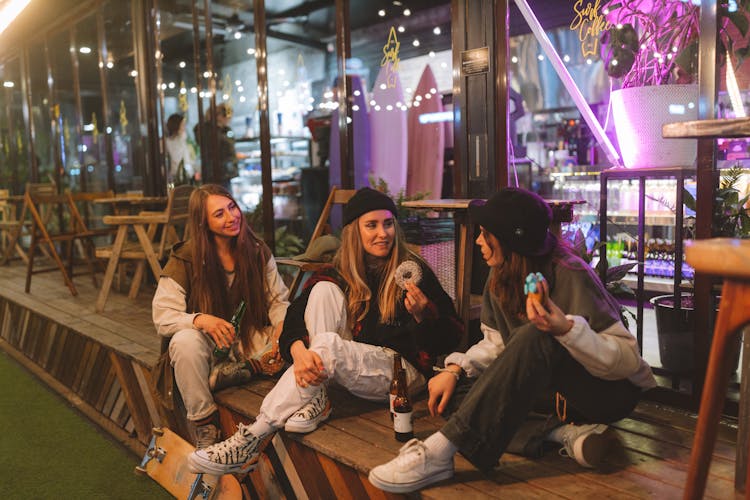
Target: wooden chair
{"x": 55, "y": 219}
{"x": 9, "y": 224}
{"x": 304, "y": 268}
{"x": 150, "y": 246}
{"x": 730, "y": 259}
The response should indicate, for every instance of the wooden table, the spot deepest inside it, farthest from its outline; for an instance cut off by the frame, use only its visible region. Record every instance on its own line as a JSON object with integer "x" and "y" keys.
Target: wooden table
{"x": 143, "y": 249}
{"x": 128, "y": 204}
{"x": 466, "y": 305}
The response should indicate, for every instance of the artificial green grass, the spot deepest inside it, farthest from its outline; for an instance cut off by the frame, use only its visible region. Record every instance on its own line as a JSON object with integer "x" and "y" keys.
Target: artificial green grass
{"x": 48, "y": 450}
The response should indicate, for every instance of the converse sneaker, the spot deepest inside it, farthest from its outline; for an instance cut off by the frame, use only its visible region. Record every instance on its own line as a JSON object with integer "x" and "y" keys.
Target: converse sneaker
{"x": 411, "y": 470}
{"x": 206, "y": 435}
{"x": 238, "y": 454}
{"x": 587, "y": 444}
{"x": 227, "y": 374}
{"x": 307, "y": 418}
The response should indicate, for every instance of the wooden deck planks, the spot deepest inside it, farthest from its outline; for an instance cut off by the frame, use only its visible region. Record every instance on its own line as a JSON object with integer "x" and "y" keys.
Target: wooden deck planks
{"x": 76, "y": 350}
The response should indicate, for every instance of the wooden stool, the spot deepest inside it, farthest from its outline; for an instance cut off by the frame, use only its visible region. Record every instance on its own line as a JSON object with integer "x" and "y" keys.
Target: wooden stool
{"x": 730, "y": 259}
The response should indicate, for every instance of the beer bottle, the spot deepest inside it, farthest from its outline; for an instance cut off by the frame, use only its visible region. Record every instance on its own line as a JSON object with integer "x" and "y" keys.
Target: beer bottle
{"x": 403, "y": 426}
{"x": 397, "y": 367}
{"x": 222, "y": 353}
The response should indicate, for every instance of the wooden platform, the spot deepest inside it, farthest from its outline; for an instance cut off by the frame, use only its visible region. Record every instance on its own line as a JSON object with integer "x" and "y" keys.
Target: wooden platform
{"x": 101, "y": 364}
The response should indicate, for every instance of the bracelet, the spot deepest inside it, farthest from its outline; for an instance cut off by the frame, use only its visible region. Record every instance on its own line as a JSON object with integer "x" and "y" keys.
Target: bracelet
{"x": 455, "y": 374}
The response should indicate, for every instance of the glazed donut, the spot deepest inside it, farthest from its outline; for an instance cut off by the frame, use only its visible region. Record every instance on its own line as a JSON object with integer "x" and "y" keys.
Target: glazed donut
{"x": 408, "y": 270}
{"x": 532, "y": 287}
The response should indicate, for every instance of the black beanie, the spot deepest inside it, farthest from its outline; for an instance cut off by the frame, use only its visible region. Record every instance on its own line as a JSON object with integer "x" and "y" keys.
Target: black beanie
{"x": 366, "y": 200}
{"x": 518, "y": 218}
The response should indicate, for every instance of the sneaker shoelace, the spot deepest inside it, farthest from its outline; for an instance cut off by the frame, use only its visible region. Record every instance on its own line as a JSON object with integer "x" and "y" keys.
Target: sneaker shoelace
{"x": 410, "y": 454}
{"x": 315, "y": 407}
{"x": 238, "y": 448}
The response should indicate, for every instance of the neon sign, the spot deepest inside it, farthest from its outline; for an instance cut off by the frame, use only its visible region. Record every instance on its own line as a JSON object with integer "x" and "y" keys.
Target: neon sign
{"x": 390, "y": 58}
{"x": 589, "y": 24}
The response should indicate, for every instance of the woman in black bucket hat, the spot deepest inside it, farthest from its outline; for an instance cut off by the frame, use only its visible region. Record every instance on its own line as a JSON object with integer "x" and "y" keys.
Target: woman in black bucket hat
{"x": 534, "y": 360}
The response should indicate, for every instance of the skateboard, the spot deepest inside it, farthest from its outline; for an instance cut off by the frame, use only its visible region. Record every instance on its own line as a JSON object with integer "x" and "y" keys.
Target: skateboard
{"x": 165, "y": 461}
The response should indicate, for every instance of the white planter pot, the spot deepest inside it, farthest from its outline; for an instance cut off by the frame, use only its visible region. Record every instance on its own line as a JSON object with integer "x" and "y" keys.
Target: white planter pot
{"x": 640, "y": 112}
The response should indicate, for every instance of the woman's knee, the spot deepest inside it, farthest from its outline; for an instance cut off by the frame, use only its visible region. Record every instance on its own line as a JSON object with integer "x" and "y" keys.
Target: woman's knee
{"x": 188, "y": 344}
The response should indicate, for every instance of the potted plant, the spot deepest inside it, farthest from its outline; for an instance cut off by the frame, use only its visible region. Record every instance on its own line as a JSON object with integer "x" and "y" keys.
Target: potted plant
{"x": 651, "y": 47}
{"x": 675, "y": 329}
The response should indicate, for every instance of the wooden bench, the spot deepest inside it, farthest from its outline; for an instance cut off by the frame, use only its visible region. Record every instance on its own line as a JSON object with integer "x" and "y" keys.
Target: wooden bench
{"x": 334, "y": 460}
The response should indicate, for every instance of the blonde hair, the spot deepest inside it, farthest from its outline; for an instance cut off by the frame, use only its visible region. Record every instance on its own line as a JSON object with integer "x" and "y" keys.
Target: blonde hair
{"x": 350, "y": 263}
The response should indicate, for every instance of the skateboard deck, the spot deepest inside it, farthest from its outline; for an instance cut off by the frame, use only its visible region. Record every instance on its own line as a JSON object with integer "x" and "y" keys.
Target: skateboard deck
{"x": 165, "y": 462}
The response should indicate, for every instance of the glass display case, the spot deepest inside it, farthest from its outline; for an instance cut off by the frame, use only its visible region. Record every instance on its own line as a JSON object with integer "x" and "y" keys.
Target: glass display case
{"x": 289, "y": 156}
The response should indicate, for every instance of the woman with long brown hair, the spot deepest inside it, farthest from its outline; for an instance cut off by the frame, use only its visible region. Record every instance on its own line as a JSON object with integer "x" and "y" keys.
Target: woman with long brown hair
{"x": 206, "y": 278}
{"x": 345, "y": 327}
{"x": 583, "y": 366}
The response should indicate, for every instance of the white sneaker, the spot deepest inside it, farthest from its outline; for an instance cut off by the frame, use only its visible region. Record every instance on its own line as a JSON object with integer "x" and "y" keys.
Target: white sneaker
{"x": 587, "y": 444}
{"x": 411, "y": 470}
{"x": 310, "y": 416}
{"x": 237, "y": 454}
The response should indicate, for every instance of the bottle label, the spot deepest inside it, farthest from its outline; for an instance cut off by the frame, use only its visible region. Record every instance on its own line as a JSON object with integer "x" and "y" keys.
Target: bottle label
{"x": 402, "y": 422}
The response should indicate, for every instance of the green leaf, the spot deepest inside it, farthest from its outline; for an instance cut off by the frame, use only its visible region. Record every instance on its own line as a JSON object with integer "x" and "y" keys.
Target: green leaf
{"x": 616, "y": 273}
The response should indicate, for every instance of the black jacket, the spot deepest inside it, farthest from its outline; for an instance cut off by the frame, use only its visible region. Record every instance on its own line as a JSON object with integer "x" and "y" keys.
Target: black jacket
{"x": 439, "y": 332}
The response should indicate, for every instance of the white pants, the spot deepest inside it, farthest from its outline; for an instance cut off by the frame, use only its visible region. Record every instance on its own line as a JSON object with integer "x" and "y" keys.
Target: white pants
{"x": 364, "y": 370}
{"x": 191, "y": 352}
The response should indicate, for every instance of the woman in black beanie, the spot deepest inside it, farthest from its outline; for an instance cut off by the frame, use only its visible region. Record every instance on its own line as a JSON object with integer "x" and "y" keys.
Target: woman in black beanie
{"x": 345, "y": 327}
{"x": 583, "y": 366}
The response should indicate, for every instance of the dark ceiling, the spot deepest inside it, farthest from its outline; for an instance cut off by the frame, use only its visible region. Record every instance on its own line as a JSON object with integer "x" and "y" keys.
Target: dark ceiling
{"x": 303, "y": 21}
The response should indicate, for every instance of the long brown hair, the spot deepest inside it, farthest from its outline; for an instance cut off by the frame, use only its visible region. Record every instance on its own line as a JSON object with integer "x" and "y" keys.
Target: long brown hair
{"x": 507, "y": 280}
{"x": 350, "y": 263}
{"x": 209, "y": 285}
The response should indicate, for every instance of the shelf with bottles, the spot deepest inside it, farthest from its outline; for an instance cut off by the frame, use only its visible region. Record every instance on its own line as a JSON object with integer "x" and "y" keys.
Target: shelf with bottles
{"x": 622, "y": 197}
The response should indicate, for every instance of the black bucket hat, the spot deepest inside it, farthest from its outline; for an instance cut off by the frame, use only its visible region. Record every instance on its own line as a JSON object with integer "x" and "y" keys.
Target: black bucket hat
{"x": 366, "y": 200}
{"x": 519, "y": 219}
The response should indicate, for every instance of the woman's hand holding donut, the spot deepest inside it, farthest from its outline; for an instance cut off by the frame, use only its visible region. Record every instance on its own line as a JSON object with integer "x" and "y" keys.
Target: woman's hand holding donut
{"x": 308, "y": 367}
{"x": 547, "y": 317}
{"x": 221, "y": 331}
{"x": 415, "y": 301}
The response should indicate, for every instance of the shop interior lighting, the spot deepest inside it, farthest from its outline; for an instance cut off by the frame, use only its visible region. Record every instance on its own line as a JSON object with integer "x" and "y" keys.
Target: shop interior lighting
{"x": 436, "y": 30}
{"x": 415, "y": 42}
{"x": 596, "y": 129}
{"x": 182, "y": 64}
{"x": 407, "y": 12}
{"x": 10, "y": 11}
{"x": 84, "y": 50}
{"x": 8, "y": 85}
{"x": 734, "y": 90}
{"x": 381, "y": 12}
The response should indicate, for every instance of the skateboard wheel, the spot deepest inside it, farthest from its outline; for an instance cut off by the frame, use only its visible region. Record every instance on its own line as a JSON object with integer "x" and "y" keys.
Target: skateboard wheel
{"x": 157, "y": 431}
{"x": 139, "y": 470}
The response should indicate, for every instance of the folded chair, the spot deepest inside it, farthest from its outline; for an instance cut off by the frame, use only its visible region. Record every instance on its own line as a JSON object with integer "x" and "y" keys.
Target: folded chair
{"x": 150, "y": 245}
{"x": 306, "y": 267}
{"x": 55, "y": 223}
{"x": 9, "y": 224}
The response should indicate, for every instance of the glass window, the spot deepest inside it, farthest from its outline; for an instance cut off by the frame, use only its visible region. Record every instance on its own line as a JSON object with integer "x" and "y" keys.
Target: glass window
{"x": 128, "y": 155}
{"x": 179, "y": 93}
{"x": 93, "y": 147}
{"x": 65, "y": 112}
{"x": 402, "y": 83}
{"x": 14, "y": 169}
{"x": 40, "y": 112}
